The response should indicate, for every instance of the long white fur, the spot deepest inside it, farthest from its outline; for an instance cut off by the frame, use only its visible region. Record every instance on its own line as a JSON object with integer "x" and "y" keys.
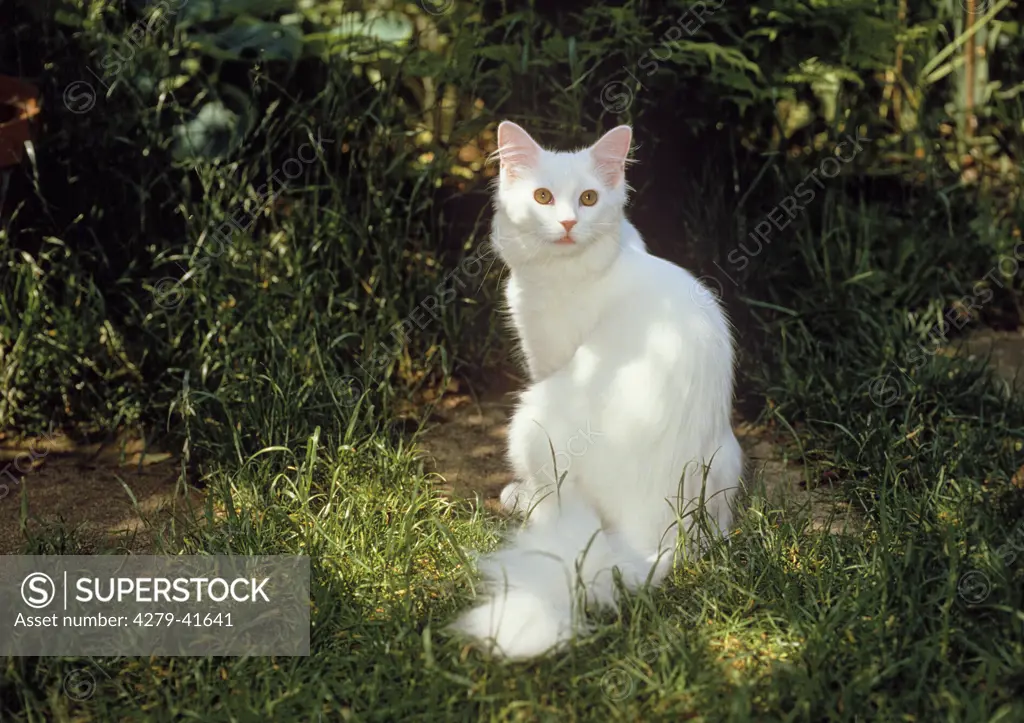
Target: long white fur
{"x": 625, "y": 426}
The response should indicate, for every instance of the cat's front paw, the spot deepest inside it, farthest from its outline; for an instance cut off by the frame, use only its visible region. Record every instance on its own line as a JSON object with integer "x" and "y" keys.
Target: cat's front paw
{"x": 513, "y": 499}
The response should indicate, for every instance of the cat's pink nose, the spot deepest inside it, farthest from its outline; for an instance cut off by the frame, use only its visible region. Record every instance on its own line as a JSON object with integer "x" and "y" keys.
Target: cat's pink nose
{"x": 567, "y": 225}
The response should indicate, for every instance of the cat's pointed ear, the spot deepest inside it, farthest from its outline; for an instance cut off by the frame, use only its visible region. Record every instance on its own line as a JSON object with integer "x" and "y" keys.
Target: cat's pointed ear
{"x": 516, "y": 149}
{"x": 610, "y": 154}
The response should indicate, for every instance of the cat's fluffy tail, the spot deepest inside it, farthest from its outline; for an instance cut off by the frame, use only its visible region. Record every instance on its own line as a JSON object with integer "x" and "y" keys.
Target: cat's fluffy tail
{"x": 536, "y": 588}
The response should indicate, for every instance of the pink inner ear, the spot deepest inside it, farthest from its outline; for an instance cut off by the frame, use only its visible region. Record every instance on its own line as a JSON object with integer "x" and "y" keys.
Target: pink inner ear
{"x": 516, "y": 149}
{"x": 610, "y": 154}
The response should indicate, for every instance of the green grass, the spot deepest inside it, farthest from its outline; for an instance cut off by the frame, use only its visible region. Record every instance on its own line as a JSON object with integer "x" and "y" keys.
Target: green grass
{"x": 783, "y": 624}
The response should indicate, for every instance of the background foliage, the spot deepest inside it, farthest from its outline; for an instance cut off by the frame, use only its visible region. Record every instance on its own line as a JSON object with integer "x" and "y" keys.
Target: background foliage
{"x": 192, "y": 110}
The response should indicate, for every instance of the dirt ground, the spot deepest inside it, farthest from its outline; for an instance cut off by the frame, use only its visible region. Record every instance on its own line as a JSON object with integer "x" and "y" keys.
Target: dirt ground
{"x": 1004, "y": 351}
{"x": 89, "y": 490}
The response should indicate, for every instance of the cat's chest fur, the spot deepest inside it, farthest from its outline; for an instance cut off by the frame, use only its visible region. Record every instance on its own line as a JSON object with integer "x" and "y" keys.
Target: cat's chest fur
{"x": 552, "y": 322}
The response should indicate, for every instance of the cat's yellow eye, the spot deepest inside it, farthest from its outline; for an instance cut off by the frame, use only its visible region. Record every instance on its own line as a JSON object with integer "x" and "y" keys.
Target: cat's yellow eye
{"x": 543, "y": 196}
{"x": 588, "y": 198}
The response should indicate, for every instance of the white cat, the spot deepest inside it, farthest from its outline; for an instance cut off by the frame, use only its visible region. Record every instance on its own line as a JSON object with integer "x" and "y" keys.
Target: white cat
{"x": 625, "y": 426}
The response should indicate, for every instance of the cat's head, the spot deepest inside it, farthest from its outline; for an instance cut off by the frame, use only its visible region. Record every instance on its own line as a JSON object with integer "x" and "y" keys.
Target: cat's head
{"x": 558, "y": 203}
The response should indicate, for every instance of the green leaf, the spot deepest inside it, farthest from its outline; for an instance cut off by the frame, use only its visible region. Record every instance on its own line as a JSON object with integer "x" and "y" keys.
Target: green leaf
{"x": 505, "y": 53}
{"x": 384, "y": 27}
{"x": 202, "y": 11}
{"x": 252, "y": 39}
{"x": 217, "y": 130}
{"x": 713, "y": 53}
{"x": 362, "y": 37}
{"x": 63, "y": 17}
{"x": 423, "y": 63}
